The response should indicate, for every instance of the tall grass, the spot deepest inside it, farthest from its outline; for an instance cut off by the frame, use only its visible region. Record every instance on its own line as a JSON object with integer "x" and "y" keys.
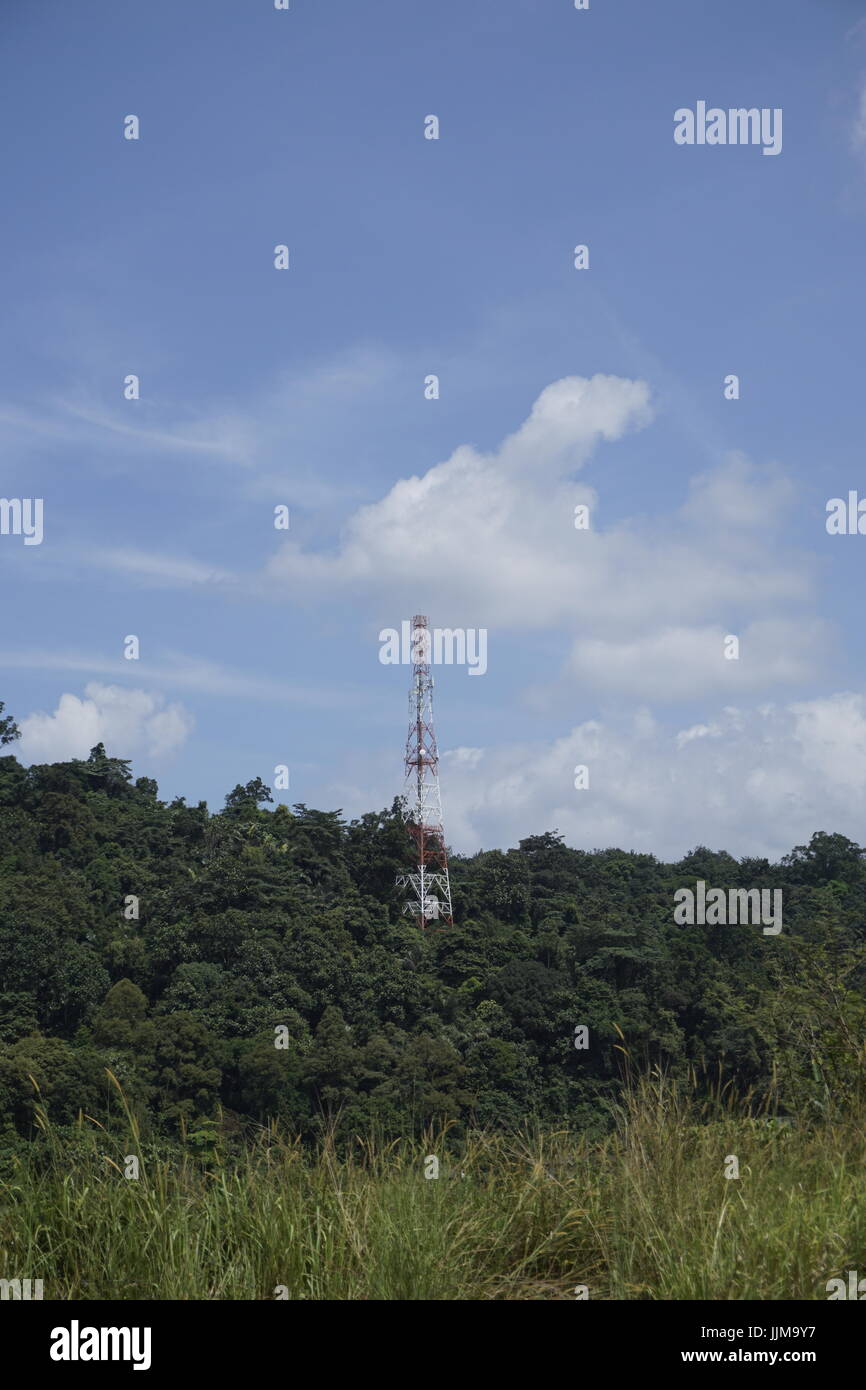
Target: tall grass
{"x": 646, "y": 1212}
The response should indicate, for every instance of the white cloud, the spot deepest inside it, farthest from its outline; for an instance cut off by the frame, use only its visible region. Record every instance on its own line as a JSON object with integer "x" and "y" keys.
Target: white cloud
{"x": 832, "y": 735}
{"x": 126, "y": 721}
{"x": 753, "y": 781}
{"x": 163, "y": 569}
{"x": 738, "y": 495}
{"x": 176, "y": 669}
{"x": 487, "y": 534}
{"x": 489, "y": 540}
{"x": 681, "y": 663}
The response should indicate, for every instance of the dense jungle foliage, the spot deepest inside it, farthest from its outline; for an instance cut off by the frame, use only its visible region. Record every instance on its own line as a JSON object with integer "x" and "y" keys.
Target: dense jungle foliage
{"x": 262, "y": 918}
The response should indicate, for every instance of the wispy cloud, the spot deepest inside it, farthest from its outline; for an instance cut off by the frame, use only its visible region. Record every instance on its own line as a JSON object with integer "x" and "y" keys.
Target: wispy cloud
{"x": 225, "y": 436}
{"x": 174, "y": 669}
{"x": 277, "y": 433}
{"x": 163, "y": 569}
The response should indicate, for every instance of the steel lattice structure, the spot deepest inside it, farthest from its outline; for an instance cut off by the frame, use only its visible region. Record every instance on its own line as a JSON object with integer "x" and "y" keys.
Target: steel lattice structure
{"x": 422, "y": 804}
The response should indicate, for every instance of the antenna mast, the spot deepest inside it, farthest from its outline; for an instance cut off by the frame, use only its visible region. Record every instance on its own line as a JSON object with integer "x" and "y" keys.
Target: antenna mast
{"x": 430, "y": 886}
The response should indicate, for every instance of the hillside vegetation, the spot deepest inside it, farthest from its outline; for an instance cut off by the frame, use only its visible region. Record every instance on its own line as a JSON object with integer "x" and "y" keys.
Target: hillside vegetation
{"x": 155, "y": 1142}
{"x": 262, "y": 918}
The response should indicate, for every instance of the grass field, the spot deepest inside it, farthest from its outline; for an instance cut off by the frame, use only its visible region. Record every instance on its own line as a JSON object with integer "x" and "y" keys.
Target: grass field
{"x": 645, "y": 1213}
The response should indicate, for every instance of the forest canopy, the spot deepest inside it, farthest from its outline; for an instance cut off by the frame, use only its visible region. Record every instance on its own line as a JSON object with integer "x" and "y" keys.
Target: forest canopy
{"x": 256, "y": 964}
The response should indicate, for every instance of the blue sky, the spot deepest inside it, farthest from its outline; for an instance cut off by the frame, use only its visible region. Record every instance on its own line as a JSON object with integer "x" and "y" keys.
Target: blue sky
{"x": 306, "y": 387}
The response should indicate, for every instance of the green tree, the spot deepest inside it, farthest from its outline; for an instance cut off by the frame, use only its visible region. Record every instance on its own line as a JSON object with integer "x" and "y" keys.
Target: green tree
{"x": 9, "y": 730}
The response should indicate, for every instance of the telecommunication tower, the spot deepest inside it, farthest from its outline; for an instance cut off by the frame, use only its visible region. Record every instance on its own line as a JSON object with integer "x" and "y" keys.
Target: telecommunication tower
{"x": 430, "y": 886}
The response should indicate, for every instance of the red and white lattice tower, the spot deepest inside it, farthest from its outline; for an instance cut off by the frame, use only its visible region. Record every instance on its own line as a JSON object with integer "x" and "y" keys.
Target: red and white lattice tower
{"x": 430, "y": 886}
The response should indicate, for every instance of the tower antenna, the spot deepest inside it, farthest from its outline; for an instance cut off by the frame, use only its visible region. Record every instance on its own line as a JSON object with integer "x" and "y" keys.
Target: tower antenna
{"x": 429, "y": 884}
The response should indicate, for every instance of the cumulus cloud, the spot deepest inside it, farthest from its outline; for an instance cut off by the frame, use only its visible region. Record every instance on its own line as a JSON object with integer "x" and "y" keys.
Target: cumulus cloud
{"x": 489, "y": 540}
{"x": 487, "y": 534}
{"x": 753, "y": 781}
{"x": 126, "y": 721}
